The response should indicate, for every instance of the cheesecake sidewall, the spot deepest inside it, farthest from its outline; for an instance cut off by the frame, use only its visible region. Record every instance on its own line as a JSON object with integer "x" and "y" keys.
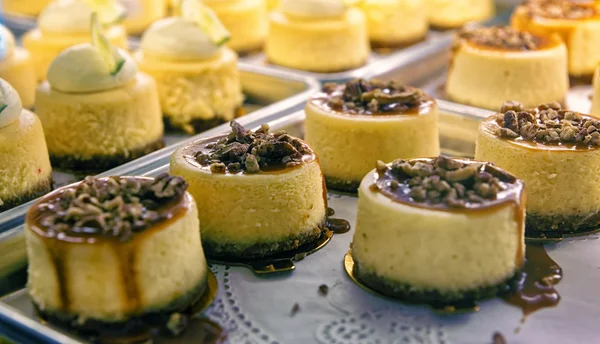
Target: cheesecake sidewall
{"x": 559, "y": 182}
{"x": 486, "y": 78}
{"x": 451, "y": 14}
{"x": 349, "y": 145}
{"x": 105, "y": 123}
{"x": 245, "y": 210}
{"x": 19, "y": 72}
{"x": 383, "y": 18}
{"x": 445, "y": 251}
{"x": 246, "y": 21}
{"x": 168, "y": 264}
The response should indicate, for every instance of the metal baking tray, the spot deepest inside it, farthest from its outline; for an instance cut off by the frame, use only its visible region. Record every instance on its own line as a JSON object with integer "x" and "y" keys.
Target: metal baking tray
{"x": 270, "y": 93}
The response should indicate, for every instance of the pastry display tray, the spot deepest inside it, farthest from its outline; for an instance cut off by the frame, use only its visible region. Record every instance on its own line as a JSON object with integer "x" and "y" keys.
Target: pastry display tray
{"x": 269, "y": 94}
{"x": 458, "y": 122}
{"x": 349, "y": 314}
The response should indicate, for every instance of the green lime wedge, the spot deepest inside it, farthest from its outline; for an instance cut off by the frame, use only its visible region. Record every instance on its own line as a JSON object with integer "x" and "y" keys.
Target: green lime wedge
{"x": 106, "y": 50}
{"x": 109, "y": 11}
{"x": 2, "y": 107}
{"x": 206, "y": 19}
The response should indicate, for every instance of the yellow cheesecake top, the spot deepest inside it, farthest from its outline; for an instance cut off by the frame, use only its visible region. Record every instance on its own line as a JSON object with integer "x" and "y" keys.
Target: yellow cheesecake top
{"x": 10, "y": 104}
{"x": 547, "y": 127}
{"x": 447, "y": 184}
{"x": 313, "y": 8}
{"x": 113, "y": 208}
{"x": 560, "y": 9}
{"x": 372, "y": 98}
{"x": 504, "y": 38}
{"x": 245, "y": 151}
{"x": 7, "y": 43}
{"x": 73, "y": 16}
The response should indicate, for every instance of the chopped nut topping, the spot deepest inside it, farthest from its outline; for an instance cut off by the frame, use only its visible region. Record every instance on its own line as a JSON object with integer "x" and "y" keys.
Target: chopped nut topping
{"x": 442, "y": 181}
{"x": 547, "y": 124}
{"x": 251, "y": 152}
{"x": 362, "y": 97}
{"x": 560, "y": 9}
{"x": 323, "y": 289}
{"x": 116, "y": 207}
{"x": 502, "y": 37}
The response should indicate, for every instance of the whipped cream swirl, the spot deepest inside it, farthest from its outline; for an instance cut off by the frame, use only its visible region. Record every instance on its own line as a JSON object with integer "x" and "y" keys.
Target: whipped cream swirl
{"x": 10, "y": 104}
{"x": 314, "y": 8}
{"x": 7, "y": 43}
{"x": 65, "y": 16}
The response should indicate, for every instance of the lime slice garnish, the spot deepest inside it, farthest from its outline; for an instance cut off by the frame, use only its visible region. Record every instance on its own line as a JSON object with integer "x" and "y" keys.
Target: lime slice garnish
{"x": 109, "y": 11}
{"x": 112, "y": 59}
{"x": 206, "y": 19}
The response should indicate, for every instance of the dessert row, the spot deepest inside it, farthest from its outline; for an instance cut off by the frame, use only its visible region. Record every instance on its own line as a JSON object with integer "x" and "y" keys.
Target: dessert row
{"x": 314, "y": 35}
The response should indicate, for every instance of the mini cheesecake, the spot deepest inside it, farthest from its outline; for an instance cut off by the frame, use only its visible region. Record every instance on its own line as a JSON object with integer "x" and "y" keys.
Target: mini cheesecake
{"x": 112, "y": 253}
{"x": 20, "y": 7}
{"x": 25, "y": 167}
{"x": 557, "y": 153}
{"x": 246, "y": 20}
{"x": 98, "y": 111}
{"x": 197, "y": 78}
{"x": 142, "y": 13}
{"x": 318, "y": 36}
{"x": 16, "y": 67}
{"x": 439, "y": 230}
{"x": 490, "y": 65}
{"x": 353, "y": 125}
{"x": 62, "y": 24}
{"x": 452, "y": 14}
{"x": 258, "y": 193}
{"x": 577, "y": 23}
{"x": 384, "y": 16}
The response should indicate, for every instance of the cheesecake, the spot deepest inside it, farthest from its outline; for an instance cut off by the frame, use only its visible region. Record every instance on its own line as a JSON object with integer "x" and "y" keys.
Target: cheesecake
{"x": 246, "y": 20}
{"x": 257, "y": 193}
{"x": 596, "y": 94}
{"x": 26, "y": 172}
{"x": 142, "y": 13}
{"x": 439, "y": 230}
{"x": 318, "y": 36}
{"x": 352, "y": 125}
{"x": 65, "y": 23}
{"x": 383, "y": 18}
{"x": 97, "y": 110}
{"x": 111, "y": 254}
{"x": 26, "y": 8}
{"x": 16, "y": 67}
{"x": 452, "y": 14}
{"x": 557, "y": 153}
{"x": 196, "y": 75}
{"x": 577, "y": 23}
{"x": 492, "y": 64}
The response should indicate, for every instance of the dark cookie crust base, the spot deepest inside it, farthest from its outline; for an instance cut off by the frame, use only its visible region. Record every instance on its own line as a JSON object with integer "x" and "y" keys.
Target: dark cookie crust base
{"x": 410, "y": 294}
{"x": 40, "y": 189}
{"x": 228, "y": 251}
{"x": 561, "y": 223}
{"x": 350, "y": 186}
{"x": 135, "y": 324}
{"x": 375, "y": 44}
{"x": 199, "y": 125}
{"x": 101, "y": 163}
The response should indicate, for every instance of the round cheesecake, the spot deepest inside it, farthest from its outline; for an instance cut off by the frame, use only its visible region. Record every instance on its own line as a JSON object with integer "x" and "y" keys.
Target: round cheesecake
{"x": 26, "y": 172}
{"x": 318, "y": 36}
{"x": 257, "y": 193}
{"x": 246, "y": 20}
{"x": 16, "y": 67}
{"x": 105, "y": 253}
{"x": 383, "y": 17}
{"x": 142, "y": 13}
{"x": 97, "y": 116}
{"x": 28, "y": 8}
{"x": 452, "y": 14}
{"x": 439, "y": 230}
{"x": 63, "y": 24}
{"x": 198, "y": 81}
{"x": 596, "y": 94}
{"x": 353, "y": 125}
{"x": 490, "y": 65}
{"x": 556, "y": 152}
{"x": 577, "y": 23}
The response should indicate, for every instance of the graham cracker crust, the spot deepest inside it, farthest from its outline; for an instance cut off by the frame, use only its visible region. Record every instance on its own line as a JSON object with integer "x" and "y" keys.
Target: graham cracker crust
{"x": 411, "y": 294}
{"x": 562, "y": 223}
{"x": 40, "y": 189}
{"x": 100, "y": 163}
{"x": 350, "y": 186}
{"x": 199, "y": 125}
{"x": 383, "y": 45}
{"x": 229, "y": 251}
{"x": 135, "y": 324}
